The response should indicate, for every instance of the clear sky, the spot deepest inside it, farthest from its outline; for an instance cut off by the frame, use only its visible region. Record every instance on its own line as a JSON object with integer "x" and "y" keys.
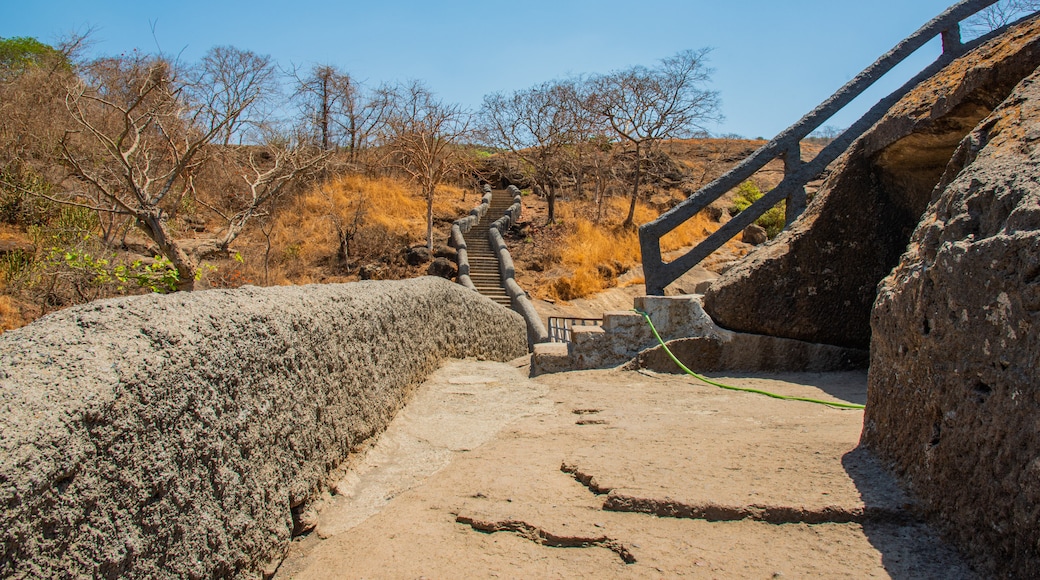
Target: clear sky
{"x": 774, "y": 60}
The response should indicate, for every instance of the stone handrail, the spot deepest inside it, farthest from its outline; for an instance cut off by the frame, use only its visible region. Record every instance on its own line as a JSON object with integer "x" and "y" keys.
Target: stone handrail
{"x": 458, "y": 241}
{"x": 787, "y": 145}
{"x": 181, "y": 436}
{"x": 536, "y": 331}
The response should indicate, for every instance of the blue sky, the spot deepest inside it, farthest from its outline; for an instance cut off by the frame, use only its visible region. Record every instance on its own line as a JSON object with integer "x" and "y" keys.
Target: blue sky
{"x": 774, "y": 60}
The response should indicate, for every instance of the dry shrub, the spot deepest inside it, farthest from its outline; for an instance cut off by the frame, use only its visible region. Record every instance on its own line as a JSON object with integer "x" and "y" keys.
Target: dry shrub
{"x": 377, "y": 212}
{"x": 378, "y": 215}
{"x": 597, "y": 254}
{"x": 11, "y": 316}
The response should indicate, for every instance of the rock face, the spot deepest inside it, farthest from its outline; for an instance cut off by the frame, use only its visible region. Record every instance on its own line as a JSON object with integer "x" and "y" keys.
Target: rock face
{"x": 817, "y": 281}
{"x": 954, "y": 386}
{"x": 177, "y": 436}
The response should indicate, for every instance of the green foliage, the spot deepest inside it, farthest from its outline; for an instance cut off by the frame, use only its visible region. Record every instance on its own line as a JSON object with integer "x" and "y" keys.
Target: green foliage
{"x": 292, "y": 252}
{"x": 158, "y": 276}
{"x": 70, "y": 227}
{"x": 73, "y": 265}
{"x": 19, "y": 53}
{"x": 14, "y": 266}
{"x": 772, "y": 221}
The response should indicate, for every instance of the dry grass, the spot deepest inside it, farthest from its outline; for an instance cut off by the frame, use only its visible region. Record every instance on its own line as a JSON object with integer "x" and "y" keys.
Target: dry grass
{"x": 384, "y": 215}
{"x": 11, "y": 316}
{"x": 597, "y": 254}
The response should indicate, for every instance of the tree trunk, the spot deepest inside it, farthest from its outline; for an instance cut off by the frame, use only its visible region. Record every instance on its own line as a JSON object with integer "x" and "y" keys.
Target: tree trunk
{"x": 185, "y": 265}
{"x": 600, "y": 196}
{"x": 429, "y": 217}
{"x": 343, "y": 252}
{"x": 552, "y": 203}
{"x": 630, "y": 220}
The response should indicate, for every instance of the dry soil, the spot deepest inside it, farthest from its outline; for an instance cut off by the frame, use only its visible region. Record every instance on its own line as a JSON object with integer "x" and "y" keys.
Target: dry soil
{"x": 612, "y": 474}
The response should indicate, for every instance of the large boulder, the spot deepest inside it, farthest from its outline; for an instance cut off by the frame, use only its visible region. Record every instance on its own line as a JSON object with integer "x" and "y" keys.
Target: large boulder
{"x": 181, "y": 435}
{"x": 817, "y": 281}
{"x": 954, "y": 385}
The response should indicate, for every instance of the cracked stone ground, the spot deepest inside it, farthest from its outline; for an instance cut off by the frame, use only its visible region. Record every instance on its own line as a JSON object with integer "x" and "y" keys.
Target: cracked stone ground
{"x": 602, "y": 474}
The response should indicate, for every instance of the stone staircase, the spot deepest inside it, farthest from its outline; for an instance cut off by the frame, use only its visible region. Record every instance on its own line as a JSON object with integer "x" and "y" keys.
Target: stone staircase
{"x": 483, "y": 264}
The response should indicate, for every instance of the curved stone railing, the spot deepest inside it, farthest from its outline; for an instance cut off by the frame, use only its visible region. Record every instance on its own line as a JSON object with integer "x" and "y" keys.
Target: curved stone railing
{"x": 181, "y": 435}
{"x": 787, "y": 145}
{"x": 536, "y": 331}
{"x": 458, "y": 241}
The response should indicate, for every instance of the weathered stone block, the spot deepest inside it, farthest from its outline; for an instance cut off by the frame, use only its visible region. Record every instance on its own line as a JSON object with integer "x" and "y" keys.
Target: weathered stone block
{"x": 173, "y": 436}
{"x": 550, "y": 357}
{"x": 954, "y": 385}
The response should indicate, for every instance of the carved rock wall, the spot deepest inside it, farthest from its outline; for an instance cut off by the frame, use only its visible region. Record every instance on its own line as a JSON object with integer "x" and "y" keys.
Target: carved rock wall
{"x": 954, "y": 381}
{"x": 175, "y": 436}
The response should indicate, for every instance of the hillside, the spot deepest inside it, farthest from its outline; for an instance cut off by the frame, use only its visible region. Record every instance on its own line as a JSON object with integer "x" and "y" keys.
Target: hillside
{"x": 350, "y": 226}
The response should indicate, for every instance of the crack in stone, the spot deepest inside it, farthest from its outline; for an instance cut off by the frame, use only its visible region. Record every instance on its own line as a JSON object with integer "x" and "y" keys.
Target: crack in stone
{"x": 712, "y": 512}
{"x": 583, "y": 478}
{"x": 546, "y": 538}
{"x": 771, "y": 514}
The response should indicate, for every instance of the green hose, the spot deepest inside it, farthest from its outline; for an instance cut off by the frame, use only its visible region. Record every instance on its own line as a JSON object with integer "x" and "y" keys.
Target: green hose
{"x": 731, "y": 388}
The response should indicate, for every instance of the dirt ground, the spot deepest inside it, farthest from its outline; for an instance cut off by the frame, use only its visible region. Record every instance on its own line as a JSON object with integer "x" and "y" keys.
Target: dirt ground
{"x": 610, "y": 474}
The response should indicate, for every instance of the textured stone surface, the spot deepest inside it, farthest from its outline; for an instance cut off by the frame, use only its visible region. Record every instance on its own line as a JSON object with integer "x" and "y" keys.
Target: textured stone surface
{"x": 175, "y": 436}
{"x": 735, "y": 351}
{"x": 626, "y": 339}
{"x": 817, "y": 281}
{"x": 954, "y": 386}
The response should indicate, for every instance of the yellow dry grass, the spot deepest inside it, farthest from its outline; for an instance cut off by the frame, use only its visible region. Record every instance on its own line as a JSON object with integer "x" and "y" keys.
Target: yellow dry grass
{"x": 10, "y": 314}
{"x": 389, "y": 214}
{"x": 597, "y": 254}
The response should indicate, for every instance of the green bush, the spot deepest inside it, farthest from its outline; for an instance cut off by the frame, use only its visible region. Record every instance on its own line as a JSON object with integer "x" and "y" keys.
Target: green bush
{"x": 772, "y": 221}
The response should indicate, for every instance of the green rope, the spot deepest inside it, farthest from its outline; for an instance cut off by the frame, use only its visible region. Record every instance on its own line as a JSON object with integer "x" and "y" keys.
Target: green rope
{"x": 742, "y": 389}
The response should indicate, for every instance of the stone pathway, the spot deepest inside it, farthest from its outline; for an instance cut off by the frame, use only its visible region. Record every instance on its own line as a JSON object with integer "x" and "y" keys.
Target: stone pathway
{"x": 588, "y": 474}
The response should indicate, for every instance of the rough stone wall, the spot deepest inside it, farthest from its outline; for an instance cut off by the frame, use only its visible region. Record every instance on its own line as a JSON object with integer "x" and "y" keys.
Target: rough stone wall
{"x": 817, "y": 282}
{"x": 172, "y": 436}
{"x": 954, "y": 381}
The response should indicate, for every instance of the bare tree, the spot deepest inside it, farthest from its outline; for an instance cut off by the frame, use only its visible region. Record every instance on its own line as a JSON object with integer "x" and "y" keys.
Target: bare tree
{"x": 341, "y": 111}
{"x": 1001, "y": 14}
{"x": 139, "y": 144}
{"x": 346, "y": 213}
{"x": 233, "y": 85}
{"x": 320, "y": 94}
{"x": 535, "y": 124}
{"x": 645, "y": 105}
{"x": 362, "y": 115}
{"x": 425, "y": 134}
{"x": 266, "y": 173}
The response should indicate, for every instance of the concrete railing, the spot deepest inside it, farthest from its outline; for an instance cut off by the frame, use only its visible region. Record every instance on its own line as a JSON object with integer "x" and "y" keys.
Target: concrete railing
{"x": 182, "y": 436}
{"x": 787, "y": 145}
{"x": 536, "y": 332}
{"x": 458, "y": 241}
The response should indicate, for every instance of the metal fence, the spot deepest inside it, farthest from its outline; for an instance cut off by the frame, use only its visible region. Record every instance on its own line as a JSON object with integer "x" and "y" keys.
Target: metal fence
{"x": 560, "y": 327}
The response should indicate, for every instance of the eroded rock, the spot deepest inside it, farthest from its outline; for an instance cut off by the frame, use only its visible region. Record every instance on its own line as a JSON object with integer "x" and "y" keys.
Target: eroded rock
{"x": 954, "y": 389}
{"x": 818, "y": 280}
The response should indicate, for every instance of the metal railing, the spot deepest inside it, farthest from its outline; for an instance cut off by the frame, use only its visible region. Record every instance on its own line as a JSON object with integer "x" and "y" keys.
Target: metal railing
{"x": 560, "y": 327}
{"x": 787, "y": 146}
